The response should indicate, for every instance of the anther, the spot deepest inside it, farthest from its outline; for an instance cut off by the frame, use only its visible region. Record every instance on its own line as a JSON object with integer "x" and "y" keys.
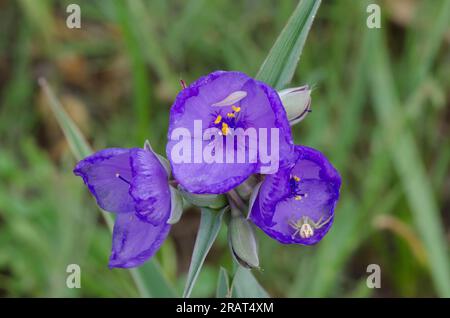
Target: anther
{"x": 236, "y": 109}
{"x": 224, "y": 129}
{"x": 296, "y": 178}
{"x": 231, "y": 115}
{"x": 218, "y": 119}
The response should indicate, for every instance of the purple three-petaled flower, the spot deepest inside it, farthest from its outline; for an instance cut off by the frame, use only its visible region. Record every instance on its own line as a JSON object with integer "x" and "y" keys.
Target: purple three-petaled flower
{"x": 227, "y": 102}
{"x": 133, "y": 184}
{"x": 296, "y": 205}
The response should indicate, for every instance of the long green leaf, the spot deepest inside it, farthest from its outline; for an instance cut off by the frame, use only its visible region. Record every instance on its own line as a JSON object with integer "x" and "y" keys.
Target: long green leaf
{"x": 410, "y": 168}
{"x": 77, "y": 142}
{"x": 279, "y": 66}
{"x": 423, "y": 45}
{"x": 210, "y": 223}
{"x": 141, "y": 83}
{"x": 148, "y": 278}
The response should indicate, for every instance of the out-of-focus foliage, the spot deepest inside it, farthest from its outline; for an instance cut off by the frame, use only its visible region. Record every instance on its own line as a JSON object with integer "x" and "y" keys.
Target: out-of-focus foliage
{"x": 117, "y": 77}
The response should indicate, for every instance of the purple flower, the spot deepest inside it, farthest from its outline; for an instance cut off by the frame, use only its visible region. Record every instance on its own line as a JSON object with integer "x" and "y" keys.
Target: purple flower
{"x": 296, "y": 205}
{"x": 133, "y": 184}
{"x": 225, "y": 102}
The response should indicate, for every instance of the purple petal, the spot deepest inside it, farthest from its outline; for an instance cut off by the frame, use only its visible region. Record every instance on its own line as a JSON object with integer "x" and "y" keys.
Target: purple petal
{"x": 211, "y": 178}
{"x": 274, "y": 189}
{"x": 264, "y": 109}
{"x": 99, "y": 172}
{"x": 194, "y": 102}
{"x": 149, "y": 186}
{"x": 260, "y": 108}
{"x": 135, "y": 241}
{"x": 274, "y": 212}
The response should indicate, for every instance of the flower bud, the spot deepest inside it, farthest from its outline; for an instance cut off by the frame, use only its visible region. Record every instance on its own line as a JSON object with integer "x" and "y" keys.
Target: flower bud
{"x": 296, "y": 102}
{"x": 242, "y": 241}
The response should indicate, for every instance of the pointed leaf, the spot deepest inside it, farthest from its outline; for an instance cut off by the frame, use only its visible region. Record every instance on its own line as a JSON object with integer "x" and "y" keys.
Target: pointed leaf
{"x": 176, "y": 206}
{"x": 210, "y": 223}
{"x": 223, "y": 284}
{"x": 279, "y": 66}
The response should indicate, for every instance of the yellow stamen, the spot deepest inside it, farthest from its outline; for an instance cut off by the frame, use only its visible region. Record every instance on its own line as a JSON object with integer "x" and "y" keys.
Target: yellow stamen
{"x": 236, "y": 109}
{"x": 298, "y": 197}
{"x": 224, "y": 128}
{"x": 218, "y": 119}
{"x": 296, "y": 178}
{"x": 231, "y": 115}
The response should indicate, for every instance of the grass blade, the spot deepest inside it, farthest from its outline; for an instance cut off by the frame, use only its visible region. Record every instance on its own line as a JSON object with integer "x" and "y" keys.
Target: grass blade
{"x": 148, "y": 278}
{"x": 424, "y": 44}
{"x": 77, "y": 143}
{"x": 411, "y": 170}
{"x": 141, "y": 82}
{"x": 210, "y": 223}
{"x": 279, "y": 66}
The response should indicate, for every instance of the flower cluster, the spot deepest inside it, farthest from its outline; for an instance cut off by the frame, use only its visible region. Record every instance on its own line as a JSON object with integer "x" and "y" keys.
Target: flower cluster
{"x": 228, "y": 134}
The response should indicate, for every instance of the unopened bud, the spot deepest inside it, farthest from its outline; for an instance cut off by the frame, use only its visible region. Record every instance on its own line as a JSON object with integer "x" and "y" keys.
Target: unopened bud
{"x": 242, "y": 241}
{"x": 296, "y": 102}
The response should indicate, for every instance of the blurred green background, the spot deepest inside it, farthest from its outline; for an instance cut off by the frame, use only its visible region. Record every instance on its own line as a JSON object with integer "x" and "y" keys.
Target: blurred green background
{"x": 381, "y": 113}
